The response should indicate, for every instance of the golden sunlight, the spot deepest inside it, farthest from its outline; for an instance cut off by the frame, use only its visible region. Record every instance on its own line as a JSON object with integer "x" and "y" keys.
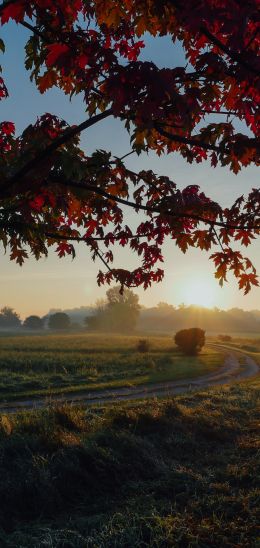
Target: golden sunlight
{"x": 200, "y": 292}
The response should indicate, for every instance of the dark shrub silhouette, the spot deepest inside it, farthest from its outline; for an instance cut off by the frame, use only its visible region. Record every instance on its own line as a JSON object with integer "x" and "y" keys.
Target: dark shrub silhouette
{"x": 190, "y": 341}
{"x": 143, "y": 345}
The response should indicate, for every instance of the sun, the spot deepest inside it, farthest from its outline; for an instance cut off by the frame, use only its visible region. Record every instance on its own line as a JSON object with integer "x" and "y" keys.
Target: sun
{"x": 199, "y": 292}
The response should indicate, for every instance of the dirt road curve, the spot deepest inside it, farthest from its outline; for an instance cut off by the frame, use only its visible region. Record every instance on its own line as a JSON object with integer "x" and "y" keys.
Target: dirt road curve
{"x": 231, "y": 371}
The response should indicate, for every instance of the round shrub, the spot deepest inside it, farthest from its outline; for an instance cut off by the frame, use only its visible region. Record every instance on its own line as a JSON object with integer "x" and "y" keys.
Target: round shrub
{"x": 190, "y": 341}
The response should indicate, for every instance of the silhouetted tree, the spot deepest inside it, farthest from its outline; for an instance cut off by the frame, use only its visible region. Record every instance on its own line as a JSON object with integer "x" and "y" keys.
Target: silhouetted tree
{"x": 59, "y": 320}
{"x": 190, "y": 341}
{"x": 33, "y": 322}
{"x": 9, "y": 318}
{"x": 119, "y": 313}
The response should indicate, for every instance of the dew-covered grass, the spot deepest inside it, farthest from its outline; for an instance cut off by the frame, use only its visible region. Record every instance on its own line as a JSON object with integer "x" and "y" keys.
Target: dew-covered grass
{"x": 178, "y": 472}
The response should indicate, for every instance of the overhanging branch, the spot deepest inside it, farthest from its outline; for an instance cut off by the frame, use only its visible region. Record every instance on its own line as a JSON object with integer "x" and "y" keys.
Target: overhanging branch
{"x": 55, "y": 144}
{"x": 185, "y": 140}
{"x": 149, "y": 209}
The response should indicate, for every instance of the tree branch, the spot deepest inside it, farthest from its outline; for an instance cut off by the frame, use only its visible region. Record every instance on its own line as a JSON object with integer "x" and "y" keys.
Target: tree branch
{"x": 178, "y": 5}
{"x": 67, "y": 237}
{"x": 56, "y": 143}
{"x": 34, "y": 30}
{"x": 232, "y": 54}
{"x": 150, "y": 209}
{"x": 185, "y": 140}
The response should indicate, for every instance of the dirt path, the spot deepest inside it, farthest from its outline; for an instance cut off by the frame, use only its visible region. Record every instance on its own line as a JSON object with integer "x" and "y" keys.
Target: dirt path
{"x": 231, "y": 371}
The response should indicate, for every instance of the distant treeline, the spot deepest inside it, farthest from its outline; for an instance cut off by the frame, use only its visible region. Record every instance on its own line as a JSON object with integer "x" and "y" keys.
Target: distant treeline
{"x": 165, "y": 317}
{"x": 125, "y": 316}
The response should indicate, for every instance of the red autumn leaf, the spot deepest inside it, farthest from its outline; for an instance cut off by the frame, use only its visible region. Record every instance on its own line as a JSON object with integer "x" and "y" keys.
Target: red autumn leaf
{"x": 55, "y": 52}
{"x": 8, "y": 128}
{"x": 37, "y": 203}
{"x": 47, "y": 80}
{"x": 244, "y": 236}
{"x": 246, "y": 280}
{"x": 82, "y": 61}
{"x": 14, "y": 11}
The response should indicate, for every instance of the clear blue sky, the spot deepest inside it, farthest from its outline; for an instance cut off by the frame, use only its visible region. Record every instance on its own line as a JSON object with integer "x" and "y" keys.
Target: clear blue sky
{"x": 55, "y": 283}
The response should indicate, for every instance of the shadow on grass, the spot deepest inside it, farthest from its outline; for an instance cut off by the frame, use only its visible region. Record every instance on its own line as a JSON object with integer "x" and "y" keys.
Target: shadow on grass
{"x": 147, "y": 474}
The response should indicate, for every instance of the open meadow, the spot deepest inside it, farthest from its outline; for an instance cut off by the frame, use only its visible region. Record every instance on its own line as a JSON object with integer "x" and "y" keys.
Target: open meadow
{"x": 49, "y": 364}
{"x": 178, "y": 472}
{"x": 159, "y": 473}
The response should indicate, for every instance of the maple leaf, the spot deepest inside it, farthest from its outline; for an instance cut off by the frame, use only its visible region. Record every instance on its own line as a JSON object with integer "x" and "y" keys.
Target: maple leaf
{"x": 184, "y": 241}
{"x": 14, "y": 11}
{"x": 64, "y": 248}
{"x": 55, "y": 52}
{"x": 18, "y": 255}
{"x": 47, "y": 80}
{"x": 246, "y": 280}
{"x": 244, "y": 236}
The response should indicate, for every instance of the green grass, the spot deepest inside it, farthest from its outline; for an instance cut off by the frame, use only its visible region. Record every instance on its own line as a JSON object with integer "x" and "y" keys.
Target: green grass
{"x": 40, "y": 365}
{"x": 176, "y": 472}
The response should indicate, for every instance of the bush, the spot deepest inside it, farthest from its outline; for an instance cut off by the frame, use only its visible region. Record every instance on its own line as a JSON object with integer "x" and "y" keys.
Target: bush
{"x": 143, "y": 345}
{"x": 190, "y": 341}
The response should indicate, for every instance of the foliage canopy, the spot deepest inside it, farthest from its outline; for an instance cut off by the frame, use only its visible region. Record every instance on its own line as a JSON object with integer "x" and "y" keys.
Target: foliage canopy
{"x": 52, "y": 193}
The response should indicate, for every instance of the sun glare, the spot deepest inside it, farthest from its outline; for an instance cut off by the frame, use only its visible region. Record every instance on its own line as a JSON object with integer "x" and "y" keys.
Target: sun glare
{"x": 199, "y": 292}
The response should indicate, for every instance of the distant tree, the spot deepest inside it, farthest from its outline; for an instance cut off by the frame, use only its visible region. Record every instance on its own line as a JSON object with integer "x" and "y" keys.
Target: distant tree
{"x": 190, "y": 341}
{"x": 59, "y": 320}
{"x": 165, "y": 307}
{"x": 33, "y": 322}
{"x": 127, "y": 297}
{"x": 118, "y": 313}
{"x": 225, "y": 338}
{"x": 9, "y": 318}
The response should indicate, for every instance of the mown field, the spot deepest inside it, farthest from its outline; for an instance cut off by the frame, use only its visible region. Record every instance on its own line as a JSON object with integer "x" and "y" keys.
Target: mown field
{"x": 45, "y": 365}
{"x": 180, "y": 472}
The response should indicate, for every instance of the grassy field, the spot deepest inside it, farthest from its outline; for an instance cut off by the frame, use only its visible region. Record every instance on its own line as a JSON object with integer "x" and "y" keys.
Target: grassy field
{"x": 44, "y": 365}
{"x": 180, "y": 472}
{"x": 250, "y": 346}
